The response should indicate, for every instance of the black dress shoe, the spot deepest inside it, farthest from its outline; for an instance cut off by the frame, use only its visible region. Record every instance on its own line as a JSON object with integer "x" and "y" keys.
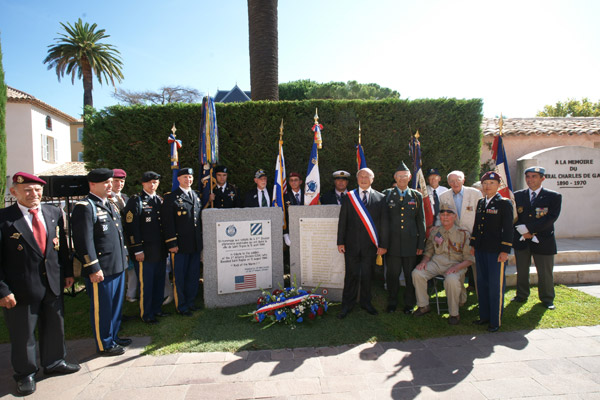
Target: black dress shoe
{"x": 123, "y": 342}
{"x": 186, "y": 313}
{"x": 192, "y": 308}
{"x": 550, "y": 306}
{"x": 343, "y": 314}
{"x": 162, "y": 314}
{"x": 151, "y": 321}
{"x": 518, "y": 299}
{"x": 408, "y": 310}
{"x": 370, "y": 309}
{"x": 391, "y": 309}
{"x": 62, "y": 368}
{"x": 493, "y": 328}
{"x": 26, "y": 386}
{"x": 112, "y": 351}
{"x": 481, "y": 322}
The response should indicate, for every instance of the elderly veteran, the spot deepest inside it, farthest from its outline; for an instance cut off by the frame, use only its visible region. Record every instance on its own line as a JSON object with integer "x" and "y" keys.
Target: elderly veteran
{"x": 537, "y": 210}
{"x": 34, "y": 268}
{"x": 260, "y": 195}
{"x": 491, "y": 241}
{"x": 99, "y": 243}
{"x": 447, "y": 253}
{"x": 337, "y": 194}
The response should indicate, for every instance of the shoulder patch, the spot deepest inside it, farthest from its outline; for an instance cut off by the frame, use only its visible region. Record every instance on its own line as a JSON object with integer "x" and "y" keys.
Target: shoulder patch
{"x": 166, "y": 193}
{"x": 129, "y": 217}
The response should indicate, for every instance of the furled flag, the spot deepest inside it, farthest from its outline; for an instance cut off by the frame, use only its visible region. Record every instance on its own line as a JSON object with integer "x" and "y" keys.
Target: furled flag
{"x": 361, "y": 162}
{"x": 499, "y": 157}
{"x": 209, "y": 149}
{"x": 175, "y": 145}
{"x": 312, "y": 187}
{"x": 418, "y": 179}
{"x": 280, "y": 187}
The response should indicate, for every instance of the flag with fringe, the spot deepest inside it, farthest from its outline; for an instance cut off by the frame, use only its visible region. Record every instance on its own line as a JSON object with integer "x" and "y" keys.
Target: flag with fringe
{"x": 312, "y": 187}
{"x": 280, "y": 186}
{"x": 175, "y": 145}
{"x": 209, "y": 149}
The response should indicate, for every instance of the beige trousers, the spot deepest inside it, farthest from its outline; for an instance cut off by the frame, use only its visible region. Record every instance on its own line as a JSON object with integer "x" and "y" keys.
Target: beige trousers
{"x": 453, "y": 285}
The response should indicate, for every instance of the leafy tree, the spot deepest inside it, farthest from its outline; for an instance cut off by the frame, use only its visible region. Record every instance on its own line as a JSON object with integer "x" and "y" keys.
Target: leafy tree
{"x": 351, "y": 90}
{"x": 572, "y": 108}
{"x": 164, "y": 95}
{"x": 263, "y": 42}
{"x": 79, "y": 52}
{"x": 2, "y": 131}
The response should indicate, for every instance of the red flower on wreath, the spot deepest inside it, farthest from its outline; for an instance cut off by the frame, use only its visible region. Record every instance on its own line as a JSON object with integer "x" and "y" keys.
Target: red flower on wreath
{"x": 311, "y": 316}
{"x": 320, "y": 310}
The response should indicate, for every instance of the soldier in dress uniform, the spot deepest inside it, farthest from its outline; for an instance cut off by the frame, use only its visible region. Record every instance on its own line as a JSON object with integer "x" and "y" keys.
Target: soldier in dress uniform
{"x": 293, "y": 197}
{"x": 146, "y": 246}
{"x": 335, "y": 195}
{"x": 447, "y": 253}
{"x": 99, "y": 243}
{"x": 225, "y": 194}
{"x": 491, "y": 240}
{"x": 406, "y": 240}
{"x": 183, "y": 235}
{"x": 537, "y": 210}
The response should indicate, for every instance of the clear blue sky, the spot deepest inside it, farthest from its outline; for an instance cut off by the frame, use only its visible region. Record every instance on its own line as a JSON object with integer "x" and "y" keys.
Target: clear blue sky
{"x": 517, "y": 55}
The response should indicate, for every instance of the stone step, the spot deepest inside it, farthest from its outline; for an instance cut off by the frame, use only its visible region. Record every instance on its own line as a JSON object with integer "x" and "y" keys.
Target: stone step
{"x": 563, "y": 274}
{"x": 569, "y": 257}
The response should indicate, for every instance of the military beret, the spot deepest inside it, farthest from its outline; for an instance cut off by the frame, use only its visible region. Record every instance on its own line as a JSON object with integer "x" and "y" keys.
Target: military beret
{"x": 447, "y": 207}
{"x": 341, "y": 174}
{"x": 295, "y": 174}
{"x": 99, "y": 175}
{"x": 185, "y": 171}
{"x": 490, "y": 176}
{"x": 538, "y": 169}
{"x": 402, "y": 167}
{"x": 433, "y": 171}
{"x": 221, "y": 168}
{"x": 119, "y": 173}
{"x": 24, "y": 177}
{"x": 259, "y": 174}
{"x": 149, "y": 176}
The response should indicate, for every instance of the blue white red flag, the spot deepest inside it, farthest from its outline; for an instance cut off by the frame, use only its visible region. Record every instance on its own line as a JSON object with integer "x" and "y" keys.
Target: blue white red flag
{"x": 280, "y": 186}
{"x": 361, "y": 162}
{"x": 175, "y": 145}
{"x": 499, "y": 156}
{"x": 363, "y": 214}
{"x": 312, "y": 188}
{"x": 418, "y": 180}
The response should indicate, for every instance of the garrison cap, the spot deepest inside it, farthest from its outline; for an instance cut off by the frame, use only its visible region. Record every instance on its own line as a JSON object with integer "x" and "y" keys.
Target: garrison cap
{"x": 433, "y": 171}
{"x": 402, "y": 167}
{"x": 341, "y": 174}
{"x": 490, "y": 176}
{"x": 260, "y": 173}
{"x": 149, "y": 176}
{"x": 221, "y": 168}
{"x": 537, "y": 168}
{"x": 447, "y": 207}
{"x": 119, "y": 173}
{"x": 185, "y": 171}
{"x": 99, "y": 175}
{"x": 24, "y": 177}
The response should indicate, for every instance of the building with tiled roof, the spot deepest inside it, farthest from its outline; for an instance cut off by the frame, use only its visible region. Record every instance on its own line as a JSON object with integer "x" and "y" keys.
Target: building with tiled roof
{"x": 522, "y": 136}
{"x": 235, "y": 95}
{"x": 69, "y": 168}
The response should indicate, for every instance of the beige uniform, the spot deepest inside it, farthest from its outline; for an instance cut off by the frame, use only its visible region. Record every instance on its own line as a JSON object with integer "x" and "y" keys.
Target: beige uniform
{"x": 453, "y": 249}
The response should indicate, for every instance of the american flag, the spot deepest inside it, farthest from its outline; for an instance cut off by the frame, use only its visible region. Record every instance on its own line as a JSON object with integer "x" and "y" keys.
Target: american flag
{"x": 245, "y": 282}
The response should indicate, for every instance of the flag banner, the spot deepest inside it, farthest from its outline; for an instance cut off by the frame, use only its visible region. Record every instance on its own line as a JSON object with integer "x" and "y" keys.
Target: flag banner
{"x": 209, "y": 133}
{"x": 312, "y": 187}
{"x": 207, "y": 185}
{"x": 361, "y": 162}
{"x": 418, "y": 180}
{"x": 280, "y": 186}
{"x": 499, "y": 156}
{"x": 175, "y": 145}
{"x": 364, "y": 215}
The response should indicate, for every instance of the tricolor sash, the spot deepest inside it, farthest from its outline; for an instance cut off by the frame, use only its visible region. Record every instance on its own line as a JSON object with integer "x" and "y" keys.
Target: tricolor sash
{"x": 364, "y": 215}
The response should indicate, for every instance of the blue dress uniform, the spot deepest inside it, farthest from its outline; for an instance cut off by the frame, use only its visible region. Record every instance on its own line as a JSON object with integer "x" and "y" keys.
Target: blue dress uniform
{"x": 182, "y": 228}
{"x": 492, "y": 234}
{"x": 99, "y": 243}
{"x": 144, "y": 234}
{"x": 227, "y": 197}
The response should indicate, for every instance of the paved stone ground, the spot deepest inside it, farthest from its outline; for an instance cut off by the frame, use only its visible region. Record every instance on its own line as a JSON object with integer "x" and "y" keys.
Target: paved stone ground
{"x": 539, "y": 364}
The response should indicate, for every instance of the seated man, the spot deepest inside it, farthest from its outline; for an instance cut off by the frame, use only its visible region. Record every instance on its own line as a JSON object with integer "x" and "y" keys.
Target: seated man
{"x": 447, "y": 253}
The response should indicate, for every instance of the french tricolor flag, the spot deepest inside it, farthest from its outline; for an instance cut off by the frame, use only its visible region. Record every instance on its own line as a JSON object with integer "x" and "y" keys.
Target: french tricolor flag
{"x": 312, "y": 187}
{"x": 499, "y": 156}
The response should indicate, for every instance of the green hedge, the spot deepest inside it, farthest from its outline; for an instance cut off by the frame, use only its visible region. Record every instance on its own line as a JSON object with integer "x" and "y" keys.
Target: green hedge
{"x": 135, "y": 137}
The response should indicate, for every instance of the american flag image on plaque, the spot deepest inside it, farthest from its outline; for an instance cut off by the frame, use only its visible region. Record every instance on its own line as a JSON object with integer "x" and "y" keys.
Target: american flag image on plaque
{"x": 245, "y": 282}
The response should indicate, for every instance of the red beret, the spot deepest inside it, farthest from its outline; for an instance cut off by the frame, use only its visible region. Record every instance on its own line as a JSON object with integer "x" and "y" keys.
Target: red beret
{"x": 119, "y": 173}
{"x": 295, "y": 174}
{"x": 24, "y": 177}
{"x": 490, "y": 176}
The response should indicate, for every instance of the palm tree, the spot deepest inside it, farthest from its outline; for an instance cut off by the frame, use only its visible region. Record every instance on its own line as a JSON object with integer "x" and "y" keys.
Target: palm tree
{"x": 79, "y": 52}
{"x": 262, "y": 33}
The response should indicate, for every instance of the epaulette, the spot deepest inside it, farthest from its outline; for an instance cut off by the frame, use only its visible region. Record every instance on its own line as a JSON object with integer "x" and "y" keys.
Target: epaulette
{"x": 82, "y": 203}
{"x": 166, "y": 193}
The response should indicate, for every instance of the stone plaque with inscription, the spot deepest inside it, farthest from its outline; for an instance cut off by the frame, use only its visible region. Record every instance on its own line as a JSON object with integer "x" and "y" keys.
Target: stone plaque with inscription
{"x": 573, "y": 171}
{"x": 243, "y": 253}
{"x": 314, "y": 258}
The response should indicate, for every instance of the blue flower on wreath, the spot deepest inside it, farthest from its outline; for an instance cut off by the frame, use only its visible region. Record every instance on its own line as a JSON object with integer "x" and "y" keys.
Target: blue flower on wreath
{"x": 279, "y": 315}
{"x": 325, "y": 306}
{"x": 289, "y": 289}
{"x": 302, "y": 292}
{"x": 261, "y": 317}
{"x": 314, "y": 308}
{"x": 299, "y": 319}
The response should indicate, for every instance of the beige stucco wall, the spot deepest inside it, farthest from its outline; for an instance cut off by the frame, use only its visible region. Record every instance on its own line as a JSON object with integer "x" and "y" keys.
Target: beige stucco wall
{"x": 76, "y": 145}
{"x": 518, "y": 146}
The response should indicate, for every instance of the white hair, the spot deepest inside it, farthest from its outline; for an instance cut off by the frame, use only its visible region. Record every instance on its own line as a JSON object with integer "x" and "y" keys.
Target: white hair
{"x": 460, "y": 175}
{"x": 367, "y": 170}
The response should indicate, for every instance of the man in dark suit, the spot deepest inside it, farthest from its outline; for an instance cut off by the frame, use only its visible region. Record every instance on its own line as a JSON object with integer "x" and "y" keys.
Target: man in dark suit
{"x": 260, "y": 196}
{"x": 491, "y": 240}
{"x": 146, "y": 246}
{"x": 99, "y": 243}
{"x": 183, "y": 236}
{"x": 407, "y": 238}
{"x": 225, "y": 194}
{"x": 335, "y": 195}
{"x": 293, "y": 197}
{"x": 537, "y": 210}
{"x": 362, "y": 235}
{"x": 34, "y": 268}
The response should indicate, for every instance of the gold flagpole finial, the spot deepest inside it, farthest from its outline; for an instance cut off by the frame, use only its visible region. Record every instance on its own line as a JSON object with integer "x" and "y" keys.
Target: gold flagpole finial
{"x": 417, "y": 134}
{"x": 281, "y": 131}
{"x": 316, "y": 116}
{"x": 173, "y": 129}
{"x": 500, "y": 125}
{"x": 359, "y": 132}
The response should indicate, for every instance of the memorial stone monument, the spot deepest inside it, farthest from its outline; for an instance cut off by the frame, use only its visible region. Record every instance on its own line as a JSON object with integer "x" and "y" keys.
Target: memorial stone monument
{"x": 243, "y": 253}
{"x": 573, "y": 171}
{"x": 314, "y": 257}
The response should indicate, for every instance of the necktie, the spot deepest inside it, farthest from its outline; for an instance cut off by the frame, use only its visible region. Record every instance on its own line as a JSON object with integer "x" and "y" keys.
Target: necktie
{"x": 38, "y": 230}
{"x": 364, "y": 197}
{"x": 297, "y": 198}
{"x": 264, "y": 199}
{"x": 436, "y": 203}
{"x": 222, "y": 189}
{"x": 532, "y": 197}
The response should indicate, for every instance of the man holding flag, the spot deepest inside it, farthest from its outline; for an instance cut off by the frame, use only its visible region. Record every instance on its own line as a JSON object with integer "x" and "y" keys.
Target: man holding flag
{"x": 362, "y": 234}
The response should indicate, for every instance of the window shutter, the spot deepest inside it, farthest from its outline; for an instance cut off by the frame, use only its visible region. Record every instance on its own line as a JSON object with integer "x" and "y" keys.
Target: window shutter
{"x": 44, "y": 148}
{"x": 55, "y": 143}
